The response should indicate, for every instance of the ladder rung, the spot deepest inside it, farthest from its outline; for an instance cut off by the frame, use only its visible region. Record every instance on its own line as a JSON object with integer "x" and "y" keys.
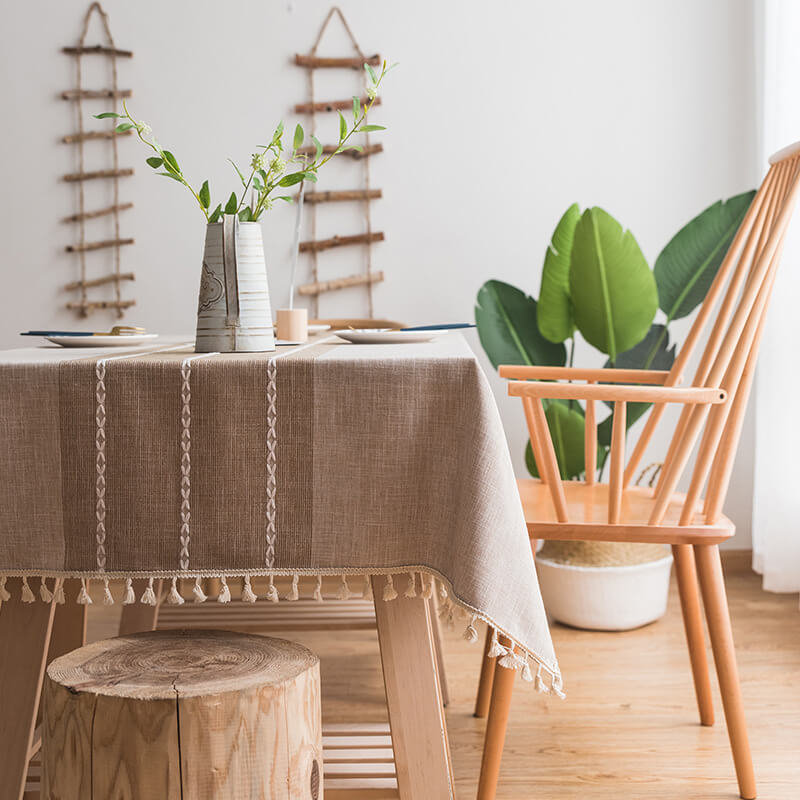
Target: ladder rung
{"x": 87, "y": 135}
{"x": 368, "y": 150}
{"x": 341, "y": 241}
{"x": 101, "y": 173}
{"x": 92, "y": 305}
{"x": 343, "y": 196}
{"x": 317, "y": 62}
{"x": 101, "y": 212}
{"x": 340, "y": 283}
{"x": 332, "y": 105}
{"x": 123, "y": 276}
{"x": 97, "y": 50}
{"x": 97, "y": 94}
{"x": 86, "y": 246}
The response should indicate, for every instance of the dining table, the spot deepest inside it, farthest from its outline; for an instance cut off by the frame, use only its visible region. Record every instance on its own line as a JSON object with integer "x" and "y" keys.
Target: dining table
{"x": 386, "y": 465}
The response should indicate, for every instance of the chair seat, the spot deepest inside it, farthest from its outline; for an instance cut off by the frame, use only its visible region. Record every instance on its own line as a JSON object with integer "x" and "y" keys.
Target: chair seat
{"x": 587, "y": 512}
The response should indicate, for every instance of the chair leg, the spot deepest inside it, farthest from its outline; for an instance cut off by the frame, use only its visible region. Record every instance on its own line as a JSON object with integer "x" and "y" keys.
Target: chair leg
{"x": 712, "y": 585}
{"x": 686, "y": 574}
{"x": 499, "y": 710}
{"x": 487, "y": 678}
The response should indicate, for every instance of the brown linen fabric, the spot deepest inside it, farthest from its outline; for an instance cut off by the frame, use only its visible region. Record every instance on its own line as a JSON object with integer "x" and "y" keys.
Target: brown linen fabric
{"x": 328, "y": 458}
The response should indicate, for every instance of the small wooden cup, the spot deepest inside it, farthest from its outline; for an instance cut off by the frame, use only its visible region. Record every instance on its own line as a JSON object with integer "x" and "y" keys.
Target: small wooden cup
{"x": 292, "y": 324}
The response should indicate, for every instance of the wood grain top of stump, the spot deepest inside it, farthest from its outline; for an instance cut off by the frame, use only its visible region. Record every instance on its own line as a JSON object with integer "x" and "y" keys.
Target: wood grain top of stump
{"x": 159, "y": 665}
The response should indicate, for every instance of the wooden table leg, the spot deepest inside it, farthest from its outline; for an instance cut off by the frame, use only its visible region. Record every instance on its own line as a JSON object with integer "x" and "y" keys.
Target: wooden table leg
{"x": 413, "y": 696}
{"x": 138, "y": 617}
{"x": 24, "y": 639}
{"x": 438, "y": 645}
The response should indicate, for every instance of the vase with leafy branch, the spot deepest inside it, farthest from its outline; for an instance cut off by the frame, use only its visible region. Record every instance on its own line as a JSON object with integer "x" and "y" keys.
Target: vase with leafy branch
{"x": 596, "y": 282}
{"x": 234, "y": 313}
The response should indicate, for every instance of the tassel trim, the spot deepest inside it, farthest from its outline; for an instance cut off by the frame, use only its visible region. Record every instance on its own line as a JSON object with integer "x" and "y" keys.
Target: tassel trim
{"x": 389, "y": 592}
{"x": 514, "y": 657}
{"x": 248, "y": 595}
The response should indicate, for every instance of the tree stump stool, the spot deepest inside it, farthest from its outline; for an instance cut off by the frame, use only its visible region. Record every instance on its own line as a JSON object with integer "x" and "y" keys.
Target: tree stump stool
{"x": 207, "y": 715}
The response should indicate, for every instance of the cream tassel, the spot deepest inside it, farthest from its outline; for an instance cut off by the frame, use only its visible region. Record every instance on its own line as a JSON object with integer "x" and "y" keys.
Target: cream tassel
{"x": 427, "y": 586}
{"x": 174, "y": 597}
{"x": 556, "y": 686}
{"x": 83, "y": 595}
{"x": 366, "y": 594}
{"x": 148, "y": 597}
{"x": 527, "y": 675}
{"x": 108, "y": 598}
{"x": 225, "y": 592}
{"x": 45, "y": 593}
{"x": 442, "y": 591}
{"x": 5, "y": 596}
{"x": 294, "y": 592}
{"x": 344, "y": 592}
{"x": 248, "y": 595}
{"x": 197, "y": 591}
{"x": 495, "y": 649}
{"x": 318, "y": 589}
{"x": 129, "y": 598}
{"x": 510, "y": 660}
{"x": 471, "y": 634}
{"x": 27, "y": 594}
{"x": 272, "y": 592}
{"x": 389, "y": 592}
{"x": 541, "y": 686}
{"x": 411, "y": 589}
{"x": 59, "y": 593}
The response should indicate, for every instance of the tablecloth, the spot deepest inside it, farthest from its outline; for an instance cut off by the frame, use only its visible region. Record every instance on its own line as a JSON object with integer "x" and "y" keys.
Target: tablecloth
{"x": 320, "y": 459}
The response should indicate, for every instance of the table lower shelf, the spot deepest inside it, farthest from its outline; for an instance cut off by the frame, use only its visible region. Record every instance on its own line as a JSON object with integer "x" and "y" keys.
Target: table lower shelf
{"x": 358, "y": 762}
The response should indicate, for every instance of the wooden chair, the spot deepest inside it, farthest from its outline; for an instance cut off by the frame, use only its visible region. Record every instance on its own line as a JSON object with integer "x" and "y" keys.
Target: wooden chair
{"x": 693, "y": 523}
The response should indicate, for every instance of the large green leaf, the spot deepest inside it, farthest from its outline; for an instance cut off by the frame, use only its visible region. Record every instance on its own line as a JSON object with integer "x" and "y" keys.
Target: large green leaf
{"x": 653, "y": 352}
{"x": 687, "y": 265}
{"x": 507, "y": 327}
{"x": 566, "y": 424}
{"x": 613, "y": 291}
{"x": 556, "y": 321}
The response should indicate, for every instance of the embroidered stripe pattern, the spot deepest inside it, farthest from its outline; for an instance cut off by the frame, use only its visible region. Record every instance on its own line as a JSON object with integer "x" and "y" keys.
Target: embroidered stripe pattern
{"x": 100, "y": 448}
{"x": 186, "y": 456}
{"x": 272, "y": 532}
{"x": 100, "y": 464}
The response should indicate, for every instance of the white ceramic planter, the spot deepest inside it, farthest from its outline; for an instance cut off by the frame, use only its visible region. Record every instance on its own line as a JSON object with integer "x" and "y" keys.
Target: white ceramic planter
{"x": 233, "y": 311}
{"x": 605, "y": 598}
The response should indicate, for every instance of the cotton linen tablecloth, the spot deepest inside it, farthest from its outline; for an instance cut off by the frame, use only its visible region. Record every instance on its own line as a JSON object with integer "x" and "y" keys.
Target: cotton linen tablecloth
{"x": 321, "y": 459}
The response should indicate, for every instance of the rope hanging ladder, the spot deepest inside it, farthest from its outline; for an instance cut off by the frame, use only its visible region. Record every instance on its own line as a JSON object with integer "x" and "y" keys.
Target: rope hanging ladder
{"x": 364, "y": 195}
{"x": 84, "y": 305}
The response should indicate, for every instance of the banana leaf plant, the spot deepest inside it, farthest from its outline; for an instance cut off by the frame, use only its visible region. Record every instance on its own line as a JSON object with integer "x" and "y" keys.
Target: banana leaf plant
{"x": 596, "y": 282}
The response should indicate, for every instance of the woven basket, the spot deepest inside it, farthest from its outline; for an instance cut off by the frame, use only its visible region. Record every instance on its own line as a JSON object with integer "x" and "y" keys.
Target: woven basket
{"x": 602, "y": 554}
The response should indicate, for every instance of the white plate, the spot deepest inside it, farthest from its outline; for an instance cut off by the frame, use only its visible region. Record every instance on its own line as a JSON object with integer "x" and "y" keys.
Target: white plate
{"x": 126, "y": 340}
{"x": 387, "y": 336}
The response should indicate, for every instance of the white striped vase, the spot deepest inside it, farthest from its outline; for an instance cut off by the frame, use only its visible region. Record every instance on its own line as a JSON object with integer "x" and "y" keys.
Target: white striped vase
{"x": 233, "y": 311}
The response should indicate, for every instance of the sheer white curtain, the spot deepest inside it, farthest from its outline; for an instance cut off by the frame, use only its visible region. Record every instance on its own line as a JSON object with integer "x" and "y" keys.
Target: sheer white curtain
{"x": 776, "y": 502}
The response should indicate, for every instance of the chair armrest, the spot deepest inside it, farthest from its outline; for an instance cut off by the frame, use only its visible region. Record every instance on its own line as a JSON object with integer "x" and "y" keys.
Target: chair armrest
{"x": 652, "y": 376}
{"x": 595, "y": 391}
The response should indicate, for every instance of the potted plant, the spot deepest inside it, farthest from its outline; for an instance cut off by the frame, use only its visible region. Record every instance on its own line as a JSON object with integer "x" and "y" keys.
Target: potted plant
{"x": 233, "y": 261}
{"x": 597, "y": 283}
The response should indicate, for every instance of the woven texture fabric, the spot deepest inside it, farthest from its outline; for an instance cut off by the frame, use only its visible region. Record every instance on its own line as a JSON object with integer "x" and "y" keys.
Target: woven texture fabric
{"x": 326, "y": 458}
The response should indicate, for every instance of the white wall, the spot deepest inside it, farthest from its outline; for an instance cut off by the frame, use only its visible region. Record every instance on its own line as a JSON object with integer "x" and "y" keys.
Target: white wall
{"x": 500, "y": 115}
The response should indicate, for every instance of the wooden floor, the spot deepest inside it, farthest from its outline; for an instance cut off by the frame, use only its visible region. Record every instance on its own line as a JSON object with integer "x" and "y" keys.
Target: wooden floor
{"x": 628, "y": 729}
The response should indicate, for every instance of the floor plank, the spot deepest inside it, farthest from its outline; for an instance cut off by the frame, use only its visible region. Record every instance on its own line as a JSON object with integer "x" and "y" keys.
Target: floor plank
{"x": 628, "y": 728}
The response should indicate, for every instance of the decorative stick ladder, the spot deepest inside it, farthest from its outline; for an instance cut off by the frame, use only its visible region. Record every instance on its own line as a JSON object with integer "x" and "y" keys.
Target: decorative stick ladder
{"x": 311, "y": 62}
{"x": 108, "y": 50}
